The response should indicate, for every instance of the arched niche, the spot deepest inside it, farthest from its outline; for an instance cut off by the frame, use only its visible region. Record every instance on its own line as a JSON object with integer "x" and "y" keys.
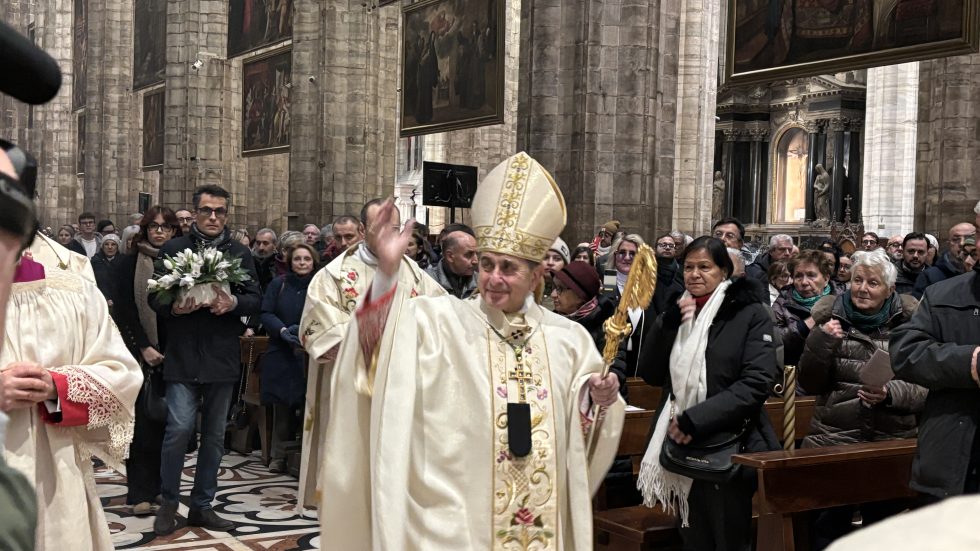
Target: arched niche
{"x": 790, "y": 155}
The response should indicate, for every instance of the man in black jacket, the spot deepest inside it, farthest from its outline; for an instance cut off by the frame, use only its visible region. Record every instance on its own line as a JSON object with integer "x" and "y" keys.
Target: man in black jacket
{"x": 938, "y": 349}
{"x": 915, "y": 248}
{"x": 202, "y": 366}
{"x": 780, "y": 248}
{"x": 950, "y": 263}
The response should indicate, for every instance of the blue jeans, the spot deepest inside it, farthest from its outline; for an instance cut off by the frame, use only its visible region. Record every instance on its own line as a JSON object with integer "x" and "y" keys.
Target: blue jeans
{"x": 183, "y": 401}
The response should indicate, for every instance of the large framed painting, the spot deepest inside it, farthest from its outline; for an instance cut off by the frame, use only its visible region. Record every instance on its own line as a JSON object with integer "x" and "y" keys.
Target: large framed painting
{"x": 253, "y": 24}
{"x": 779, "y": 39}
{"x": 265, "y": 103}
{"x": 153, "y": 129}
{"x": 149, "y": 43}
{"x": 452, "y": 65}
{"x": 79, "y": 54}
{"x": 80, "y": 145}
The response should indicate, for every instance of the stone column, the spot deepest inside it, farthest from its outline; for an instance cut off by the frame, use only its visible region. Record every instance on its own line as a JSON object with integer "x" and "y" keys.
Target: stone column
{"x": 597, "y": 106}
{"x": 758, "y": 154}
{"x": 697, "y": 87}
{"x": 891, "y": 117}
{"x": 836, "y": 128}
{"x": 728, "y": 161}
{"x": 816, "y": 150}
{"x": 948, "y": 144}
{"x": 200, "y": 130}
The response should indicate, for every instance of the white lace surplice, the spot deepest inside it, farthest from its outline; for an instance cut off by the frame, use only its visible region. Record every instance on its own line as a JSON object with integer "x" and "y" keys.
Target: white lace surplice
{"x": 63, "y": 323}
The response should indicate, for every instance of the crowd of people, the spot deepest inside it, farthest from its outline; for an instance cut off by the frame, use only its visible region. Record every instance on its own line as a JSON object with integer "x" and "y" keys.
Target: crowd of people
{"x": 820, "y": 309}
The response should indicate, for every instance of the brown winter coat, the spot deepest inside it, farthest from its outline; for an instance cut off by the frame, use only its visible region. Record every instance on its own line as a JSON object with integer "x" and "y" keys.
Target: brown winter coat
{"x": 830, "y": 368}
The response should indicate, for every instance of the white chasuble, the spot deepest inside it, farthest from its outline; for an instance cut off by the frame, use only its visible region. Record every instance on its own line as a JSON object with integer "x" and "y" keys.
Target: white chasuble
{"x": 330, "y": 302}
{"x": 423, "y": 462}
{"x": 62, "y": 323}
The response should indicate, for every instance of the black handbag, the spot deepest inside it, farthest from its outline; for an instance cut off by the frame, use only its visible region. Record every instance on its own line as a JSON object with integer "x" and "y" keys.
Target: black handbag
{"x": 708, "y": 458}
{"x": 152, "y": 398}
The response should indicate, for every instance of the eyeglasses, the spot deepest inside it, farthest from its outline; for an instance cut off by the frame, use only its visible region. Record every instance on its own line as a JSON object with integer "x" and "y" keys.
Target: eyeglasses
{"x": 185, "y": 218}
{"x": 153, "y": 226}
{"x": 869, "y": 242}
{"x": 626, "y": 254}
{"x": 894, "y": 245}
{"x": 667, "y": 246}
{"x": 219, "y": 212}
{"x": 725, "y": 235}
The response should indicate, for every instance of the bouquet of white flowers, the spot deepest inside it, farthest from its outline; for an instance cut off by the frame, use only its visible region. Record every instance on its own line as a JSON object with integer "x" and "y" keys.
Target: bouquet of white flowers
{"x": 196, "y": 275}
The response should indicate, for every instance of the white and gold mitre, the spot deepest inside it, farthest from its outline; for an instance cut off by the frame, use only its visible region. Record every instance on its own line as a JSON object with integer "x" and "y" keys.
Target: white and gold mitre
{"x": 518, "y": 209}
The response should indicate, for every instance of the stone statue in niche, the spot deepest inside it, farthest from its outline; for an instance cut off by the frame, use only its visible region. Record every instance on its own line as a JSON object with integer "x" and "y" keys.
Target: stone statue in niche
{"x": 821, "y": 194}
{"x": 718, "y": 197}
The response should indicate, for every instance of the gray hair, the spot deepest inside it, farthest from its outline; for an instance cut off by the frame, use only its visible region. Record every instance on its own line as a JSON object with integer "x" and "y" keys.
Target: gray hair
{"x": 779, "y": 238}
{"x": 290, "y": 239}
{"x": 326, "y": 231}
{"x": 269, "y": 231}
{"x": 737, "y": 261}
{"x": 877, "y": 259}
{"x": 630, "y": 238}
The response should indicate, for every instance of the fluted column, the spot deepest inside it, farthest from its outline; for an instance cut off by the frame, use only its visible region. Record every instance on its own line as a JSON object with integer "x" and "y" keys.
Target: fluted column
{"x": 890, "y": 136}
{"x": 697, "y": 86}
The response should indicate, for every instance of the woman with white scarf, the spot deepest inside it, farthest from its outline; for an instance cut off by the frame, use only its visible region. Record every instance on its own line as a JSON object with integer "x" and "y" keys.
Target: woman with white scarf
{"x": 145, "y": 339}
{"x": 713, "y": 354}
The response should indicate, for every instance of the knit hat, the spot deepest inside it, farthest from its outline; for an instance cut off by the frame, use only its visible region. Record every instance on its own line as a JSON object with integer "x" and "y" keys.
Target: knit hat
{"x": 611, "y": 226}
{"x": 581, "y": 278}
{"x": 111, "y": 237}
{"x": 561, "y": 248}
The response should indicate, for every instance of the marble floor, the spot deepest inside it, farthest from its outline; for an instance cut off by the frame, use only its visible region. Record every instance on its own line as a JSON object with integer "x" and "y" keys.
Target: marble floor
{"x": 262, "y": 505}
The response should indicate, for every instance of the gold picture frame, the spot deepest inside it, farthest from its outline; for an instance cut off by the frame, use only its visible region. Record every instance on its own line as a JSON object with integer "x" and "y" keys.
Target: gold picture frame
{"x": 769, "y": 40}
{"x": 457, "y": 46}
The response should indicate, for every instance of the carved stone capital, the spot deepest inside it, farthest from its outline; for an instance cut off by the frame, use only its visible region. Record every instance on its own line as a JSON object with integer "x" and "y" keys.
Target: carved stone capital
{"x": 758, "y": 134}
{"x": 839, "y": 124}
{"x": 732, "y": 135}
{"x": 813, "y": 127}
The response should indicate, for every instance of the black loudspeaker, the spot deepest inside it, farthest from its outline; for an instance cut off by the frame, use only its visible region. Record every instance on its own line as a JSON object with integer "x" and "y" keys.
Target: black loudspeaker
{"x": 446, "y": 185}
{"x": 144, "y": 202}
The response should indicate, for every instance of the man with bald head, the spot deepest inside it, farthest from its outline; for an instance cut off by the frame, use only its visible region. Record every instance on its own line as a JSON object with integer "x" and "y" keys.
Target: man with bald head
{"x": 950, "y": 263}
{"x": 330, "y": 301}
{"x": 459, "y": 260}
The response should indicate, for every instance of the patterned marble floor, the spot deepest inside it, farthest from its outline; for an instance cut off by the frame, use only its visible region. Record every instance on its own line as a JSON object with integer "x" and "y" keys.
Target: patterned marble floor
{"x": 262, "y": 505}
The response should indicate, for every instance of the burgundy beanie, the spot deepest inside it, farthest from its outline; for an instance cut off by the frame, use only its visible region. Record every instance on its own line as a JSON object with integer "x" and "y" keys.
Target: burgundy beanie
{"x": 581, "y": 278}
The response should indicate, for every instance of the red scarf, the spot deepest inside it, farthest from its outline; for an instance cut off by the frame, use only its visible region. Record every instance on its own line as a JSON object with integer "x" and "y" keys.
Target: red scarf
{"x": 701, "y": 301}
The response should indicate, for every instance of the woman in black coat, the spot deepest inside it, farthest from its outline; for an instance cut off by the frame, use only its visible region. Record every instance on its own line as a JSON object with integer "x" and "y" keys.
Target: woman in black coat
{"x": 283, "y": 378}
{"x": 731, "y": 351}
{"x": 145, "y": 337}
{"x": 106, "y": 268}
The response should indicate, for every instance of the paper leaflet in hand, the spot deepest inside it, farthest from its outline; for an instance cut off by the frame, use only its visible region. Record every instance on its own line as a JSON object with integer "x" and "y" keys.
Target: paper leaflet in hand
{"x": 877, "y": 370}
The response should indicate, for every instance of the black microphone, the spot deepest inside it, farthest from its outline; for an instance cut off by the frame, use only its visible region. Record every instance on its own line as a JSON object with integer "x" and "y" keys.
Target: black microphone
{"x": 26, "y": 72}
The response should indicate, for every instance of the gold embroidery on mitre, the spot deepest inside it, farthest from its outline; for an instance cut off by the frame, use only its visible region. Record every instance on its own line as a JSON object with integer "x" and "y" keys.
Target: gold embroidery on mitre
{"x": 518, "y": 209}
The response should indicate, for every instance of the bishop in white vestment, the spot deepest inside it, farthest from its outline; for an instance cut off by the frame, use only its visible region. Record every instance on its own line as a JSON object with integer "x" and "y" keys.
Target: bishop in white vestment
{"x": 330, "y": 302}
{"x": 460, "y": 425}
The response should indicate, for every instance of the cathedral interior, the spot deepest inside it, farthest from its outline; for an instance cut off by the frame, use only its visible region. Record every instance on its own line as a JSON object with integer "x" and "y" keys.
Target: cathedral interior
{"x": 303, "y": 110}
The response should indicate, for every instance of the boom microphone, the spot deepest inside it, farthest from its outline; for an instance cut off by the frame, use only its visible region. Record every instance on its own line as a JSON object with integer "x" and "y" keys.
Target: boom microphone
{"x": 26, "y": 72}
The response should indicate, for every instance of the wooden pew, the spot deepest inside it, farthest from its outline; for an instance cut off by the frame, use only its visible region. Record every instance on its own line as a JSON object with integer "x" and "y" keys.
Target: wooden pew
{"x": 641, "y": 528}
{"x": 642, "y": 395}
{"x": 796, "y": 481}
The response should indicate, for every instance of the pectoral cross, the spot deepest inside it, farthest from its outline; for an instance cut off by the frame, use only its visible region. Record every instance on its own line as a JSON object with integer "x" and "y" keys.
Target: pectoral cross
{"x": 522, "y": 377}
{"x": 519, "y": 412}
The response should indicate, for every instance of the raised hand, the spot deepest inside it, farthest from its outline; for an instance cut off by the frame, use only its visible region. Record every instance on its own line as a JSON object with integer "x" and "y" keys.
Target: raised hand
{"x": 386, "y": 241}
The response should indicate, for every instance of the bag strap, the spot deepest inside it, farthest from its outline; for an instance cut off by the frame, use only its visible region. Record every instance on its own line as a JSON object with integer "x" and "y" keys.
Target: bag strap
{"x": 249, "y": 363}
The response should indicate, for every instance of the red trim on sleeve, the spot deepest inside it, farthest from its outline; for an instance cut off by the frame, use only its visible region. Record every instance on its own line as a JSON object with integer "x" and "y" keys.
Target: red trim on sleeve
{"x": 73, "y": 414}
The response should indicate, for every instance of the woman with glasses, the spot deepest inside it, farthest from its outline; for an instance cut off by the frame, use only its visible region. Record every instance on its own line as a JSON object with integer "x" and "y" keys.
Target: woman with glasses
{"x": 812, "y": 274}
{"x": 145, "y": 338}
{"x": 620, "y": 260}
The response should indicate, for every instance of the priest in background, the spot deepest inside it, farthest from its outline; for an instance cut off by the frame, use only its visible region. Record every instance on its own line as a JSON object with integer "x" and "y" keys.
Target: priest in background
{"x": 330, "y": 302}
{"x": 462, "y": 424}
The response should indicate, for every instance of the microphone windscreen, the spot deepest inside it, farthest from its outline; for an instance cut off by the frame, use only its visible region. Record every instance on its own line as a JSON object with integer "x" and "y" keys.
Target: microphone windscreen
{"x": 26, "y": 72}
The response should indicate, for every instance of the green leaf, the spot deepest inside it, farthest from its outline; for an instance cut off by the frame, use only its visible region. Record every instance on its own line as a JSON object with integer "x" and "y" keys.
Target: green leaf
{"x": 538, "y": 523}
